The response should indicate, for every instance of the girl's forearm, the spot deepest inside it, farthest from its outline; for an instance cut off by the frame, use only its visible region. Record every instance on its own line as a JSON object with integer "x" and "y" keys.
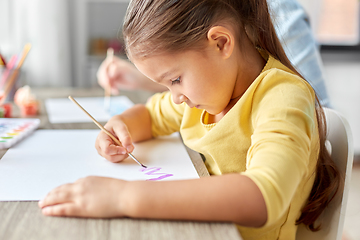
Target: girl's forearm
{"x": 230, "y": 198}
{"x": 138, "y": 122}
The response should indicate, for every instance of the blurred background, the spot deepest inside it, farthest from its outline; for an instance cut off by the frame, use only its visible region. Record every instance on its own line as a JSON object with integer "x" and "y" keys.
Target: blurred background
{"x": 69, "y": 40}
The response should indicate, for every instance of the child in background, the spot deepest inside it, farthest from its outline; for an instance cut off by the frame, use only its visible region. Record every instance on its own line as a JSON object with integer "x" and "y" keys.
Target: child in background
{"x": 235, "y": 98}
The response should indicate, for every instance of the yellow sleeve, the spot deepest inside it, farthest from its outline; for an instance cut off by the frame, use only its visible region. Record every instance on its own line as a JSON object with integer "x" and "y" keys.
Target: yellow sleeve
{"x": 166, "y": 116}
{"x": 284, "y": 123}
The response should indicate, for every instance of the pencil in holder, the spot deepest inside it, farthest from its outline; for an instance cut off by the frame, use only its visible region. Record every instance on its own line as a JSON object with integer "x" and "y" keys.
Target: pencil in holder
{"x": 10, "y": 81}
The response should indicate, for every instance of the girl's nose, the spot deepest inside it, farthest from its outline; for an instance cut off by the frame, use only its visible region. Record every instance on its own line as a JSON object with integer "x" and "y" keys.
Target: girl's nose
{"x": 179, "y": 98}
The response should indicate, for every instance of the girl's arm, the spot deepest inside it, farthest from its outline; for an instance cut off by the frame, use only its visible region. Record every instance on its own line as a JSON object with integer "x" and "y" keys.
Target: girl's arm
{"x": 230, "y": 198}
{"x": 138, "y": 122}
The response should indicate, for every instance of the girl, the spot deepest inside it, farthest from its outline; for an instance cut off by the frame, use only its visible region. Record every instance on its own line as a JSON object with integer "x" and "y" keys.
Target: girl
{"x": 235, "y": 98}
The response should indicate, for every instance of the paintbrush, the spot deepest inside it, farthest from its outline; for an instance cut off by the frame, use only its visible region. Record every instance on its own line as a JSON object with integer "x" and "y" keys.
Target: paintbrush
{"x": 110, "y": 57}
{"x": 106, "y": 131}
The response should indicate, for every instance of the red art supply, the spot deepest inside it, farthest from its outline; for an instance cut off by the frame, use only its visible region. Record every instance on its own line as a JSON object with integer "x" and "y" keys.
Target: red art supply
{"x": 27, "y": 102}
{"x": 29, "y": 109}
{"x": 7, "y": 110}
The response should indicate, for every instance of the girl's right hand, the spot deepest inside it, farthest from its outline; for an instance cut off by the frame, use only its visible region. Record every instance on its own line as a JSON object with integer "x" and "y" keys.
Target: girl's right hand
{"x": 107, "y": 148}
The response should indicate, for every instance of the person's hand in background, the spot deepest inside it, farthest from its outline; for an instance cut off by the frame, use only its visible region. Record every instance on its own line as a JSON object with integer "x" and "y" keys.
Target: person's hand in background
{"x": 119, "y": 74}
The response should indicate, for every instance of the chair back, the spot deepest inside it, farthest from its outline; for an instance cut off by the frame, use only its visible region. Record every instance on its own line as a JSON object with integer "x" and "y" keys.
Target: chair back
{"x": 342, "y": 152}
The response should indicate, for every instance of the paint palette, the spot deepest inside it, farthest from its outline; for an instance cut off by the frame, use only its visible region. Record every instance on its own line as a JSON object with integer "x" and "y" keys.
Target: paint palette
{"x": 12, "y": 130}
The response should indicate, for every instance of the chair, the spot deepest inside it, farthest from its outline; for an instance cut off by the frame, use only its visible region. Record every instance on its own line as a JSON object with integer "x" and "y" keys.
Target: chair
{"x": 342, "y": 151}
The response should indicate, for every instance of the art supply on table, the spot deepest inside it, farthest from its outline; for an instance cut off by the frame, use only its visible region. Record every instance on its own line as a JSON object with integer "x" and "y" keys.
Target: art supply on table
{"x": 6, "y": 111}
{"x": 110, "y": 57}
{"x": 13, "y": 77}
{"x": 26, "y": 101}
{"x": 9, "y": 67}
{"x": 106, "y": 131}
{"x": 61, "y": 110}
{"x": 2, "y": 61}
{"x": 12, "y": 130}
{"x": 50, "y": 158}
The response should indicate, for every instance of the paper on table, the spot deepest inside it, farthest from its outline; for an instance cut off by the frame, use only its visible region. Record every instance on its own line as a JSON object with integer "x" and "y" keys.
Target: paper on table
{"x": 62, "y": 110}
{"x": 50, "y": 158}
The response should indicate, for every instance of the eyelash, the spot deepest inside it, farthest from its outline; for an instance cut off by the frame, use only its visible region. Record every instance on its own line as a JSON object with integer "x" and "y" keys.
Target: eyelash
{"x": 176, "y": 81}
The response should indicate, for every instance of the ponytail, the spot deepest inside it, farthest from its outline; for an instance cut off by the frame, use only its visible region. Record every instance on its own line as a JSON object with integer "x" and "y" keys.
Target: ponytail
{"x": 327, "y": 180}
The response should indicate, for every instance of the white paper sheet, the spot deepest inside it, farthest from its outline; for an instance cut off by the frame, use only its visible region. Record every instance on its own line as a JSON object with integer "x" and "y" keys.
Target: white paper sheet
{"x": 63, "y": 110}
{"x": 49, "y": 158}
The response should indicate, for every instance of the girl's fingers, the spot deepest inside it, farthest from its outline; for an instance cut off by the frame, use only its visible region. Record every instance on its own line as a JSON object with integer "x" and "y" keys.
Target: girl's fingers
{"x": 124, "y": 137}
{"x": 58, "y": 195}
{"x": 65, "y": 209}
{"x": 102, "y": 74}
{"x": 116, "y": 158}
{"x": 114, "y": 150}
{"x": 106, "y": 148}
{"x": 109, "y": 149}
{"x": 113, "y": 71}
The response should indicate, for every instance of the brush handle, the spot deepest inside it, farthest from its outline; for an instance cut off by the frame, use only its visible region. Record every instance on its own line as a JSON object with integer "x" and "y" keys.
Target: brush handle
{"x": 106, "y": 131}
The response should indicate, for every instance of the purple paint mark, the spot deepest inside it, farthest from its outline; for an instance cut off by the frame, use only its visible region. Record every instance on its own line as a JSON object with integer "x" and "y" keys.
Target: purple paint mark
{"x": 154, "y": 171}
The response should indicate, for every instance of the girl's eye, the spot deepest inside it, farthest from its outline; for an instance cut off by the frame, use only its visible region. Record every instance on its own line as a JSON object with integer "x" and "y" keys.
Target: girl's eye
{"x": 176, "y": 81}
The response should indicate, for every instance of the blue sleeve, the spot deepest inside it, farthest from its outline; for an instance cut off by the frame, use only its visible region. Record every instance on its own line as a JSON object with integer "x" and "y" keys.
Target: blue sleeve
{"x": 293, "y": 29}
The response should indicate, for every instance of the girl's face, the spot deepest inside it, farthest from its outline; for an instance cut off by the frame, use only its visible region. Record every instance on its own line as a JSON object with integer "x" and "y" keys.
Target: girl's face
{"x": 200, "y": 79}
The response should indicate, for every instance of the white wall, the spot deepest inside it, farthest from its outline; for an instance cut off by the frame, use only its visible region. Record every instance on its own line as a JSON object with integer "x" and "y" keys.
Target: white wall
{"x": 313, "y": 9}
{"x": 44, "y": 24}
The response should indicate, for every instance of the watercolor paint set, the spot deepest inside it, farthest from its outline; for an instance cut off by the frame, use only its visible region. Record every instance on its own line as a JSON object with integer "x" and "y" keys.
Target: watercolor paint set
{"x": 12, "y": 130}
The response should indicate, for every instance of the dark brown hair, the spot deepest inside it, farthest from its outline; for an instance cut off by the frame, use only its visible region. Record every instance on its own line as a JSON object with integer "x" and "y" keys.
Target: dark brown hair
{"x": 156, "y": 26}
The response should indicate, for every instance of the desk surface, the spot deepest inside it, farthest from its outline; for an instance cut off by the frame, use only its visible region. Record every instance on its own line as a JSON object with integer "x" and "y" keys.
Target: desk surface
{"x": 23, "y": 220}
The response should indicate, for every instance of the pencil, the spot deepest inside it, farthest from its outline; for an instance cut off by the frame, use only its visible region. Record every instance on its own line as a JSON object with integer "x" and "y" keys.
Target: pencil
{"x": 2, "y": 62}
{"x": 110, "y": 57}
{"x": 9, "y": 66}
{"x": 106, "y": 131}
{"x": 13, "y": 77}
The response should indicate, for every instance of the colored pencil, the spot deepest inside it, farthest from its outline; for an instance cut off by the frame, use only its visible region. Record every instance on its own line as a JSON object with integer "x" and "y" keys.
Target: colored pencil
{"x": 13, "y": 77}
{"x": 8, "y": 69}
{"x": 2, "y": 60}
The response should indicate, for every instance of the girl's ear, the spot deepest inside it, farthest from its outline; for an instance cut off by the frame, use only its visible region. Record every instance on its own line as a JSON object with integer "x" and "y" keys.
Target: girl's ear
{"x": 222, "y": 39}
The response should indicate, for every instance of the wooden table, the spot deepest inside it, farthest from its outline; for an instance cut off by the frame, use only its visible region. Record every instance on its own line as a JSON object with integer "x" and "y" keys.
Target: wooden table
{"x": 23, "y": 220}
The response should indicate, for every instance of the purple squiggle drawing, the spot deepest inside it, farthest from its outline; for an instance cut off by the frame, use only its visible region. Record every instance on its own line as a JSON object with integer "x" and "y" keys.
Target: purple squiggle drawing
{"x": 154, "y": 171}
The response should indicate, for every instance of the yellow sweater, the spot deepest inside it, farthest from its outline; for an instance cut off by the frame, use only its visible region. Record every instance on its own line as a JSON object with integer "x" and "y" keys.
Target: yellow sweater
{"x": 270, "y": 135}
